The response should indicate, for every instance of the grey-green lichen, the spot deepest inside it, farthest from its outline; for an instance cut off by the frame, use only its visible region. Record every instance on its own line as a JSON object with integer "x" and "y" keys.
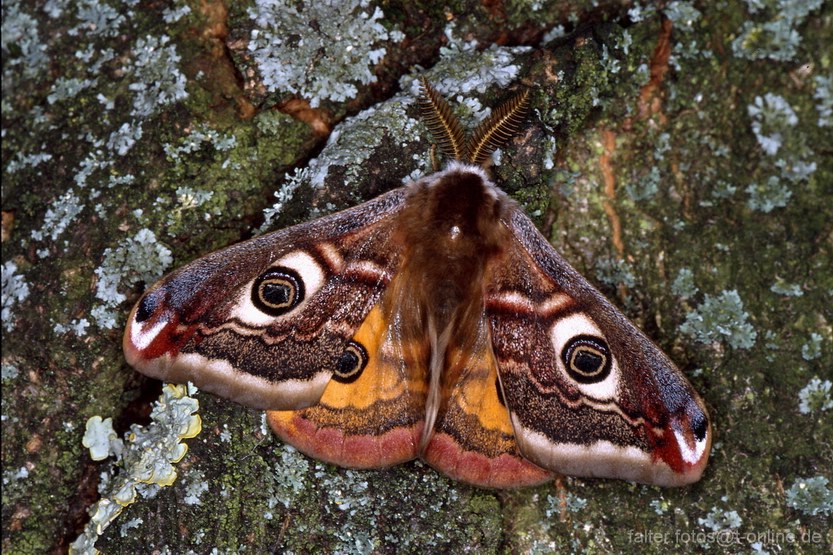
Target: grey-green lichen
{"x": 9, "y": 372}
{"x": 347, "y": 148}
{"x": 410, "y": 505}
{"x": 461, "y": 70}
{"x": 615, "y": 272}
{"x": 772, "y": 31}
{"x": 811, "y": 496}
{"x": 721, "y": 317}
{"x": 101, "y": 439}
{"x": 290, "y": 476}
{"x": 319, "y": 50}
{"x": 720, "y": 519}
{"x": 151, "y": 80}
{"x": 815, "y": 396}
{"x": 14, "y": 290}
{"x": 813, "y": 348}
{"x": 140, "y": 258}
{"x": 774, "y": 124}
{"x": 144, "y": 458}
{"x": 824, "y": 99}
{"x": 781, "y": 287}
{"x": 463, "y": 67}
{"x": 683, "y": 285}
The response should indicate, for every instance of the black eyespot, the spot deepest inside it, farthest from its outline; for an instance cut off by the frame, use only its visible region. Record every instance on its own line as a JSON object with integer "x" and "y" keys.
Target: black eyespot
{"x": 587, "y": 359}
{"x": 352, "y": 362}
{"x": 278, "y": 291}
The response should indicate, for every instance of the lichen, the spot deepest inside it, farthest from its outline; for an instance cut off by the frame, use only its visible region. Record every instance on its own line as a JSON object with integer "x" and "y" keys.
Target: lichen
{"x": 683, "y": 14}
{"x": 721, "y": 519}
{"x": 125, "y": 137}
{"x": 173, "y": 14}
{"x": 768, "y": 195}
{"x": 65, "y": 88}
{"x": 824, "y": 98}
{"x": 197, "y": 139}
{"x": 790, "y": 158}
{"x": 771, "y": 116}
{"x": 461, "y": 70}
{"x": 196, "y": 486}
{"x": 20, "y": 29}
{"x": 781, "y": 287}
{"x": 721, "y": 317}
{"x": 776, "y": 38}
{"x": 101, "y": 439}
{"x": 97, "y": 19}
{"x": 639, "y": 12}
{"x": 291, "y": 475}
{"x": 572, "y": 503}
{"x": 136, "y": 259}
{"x": 646, "y": 186}
{"x": 615, "y": 272}
{"x": 59, "y": 216}
{"x": 660, "y": 506}
{"x": 78, "y": 327}
{"x": 9, "y": 372}
{"x": 129, "y": 525}
{"x": 348, "y": 147}
{"x": 463, "y": 67}
{"x": 14, "y": 290}
{"x": 812, "y": 349}
{"x": 156, "y": 78}
{"x": 319, "y": 50}
{"x": 811, "y": 496}
{"x": 683, "y": 285}
{"x": 815, "y": 396}
{"x": 77, "y": 110}
{"x": 144, "y": 458}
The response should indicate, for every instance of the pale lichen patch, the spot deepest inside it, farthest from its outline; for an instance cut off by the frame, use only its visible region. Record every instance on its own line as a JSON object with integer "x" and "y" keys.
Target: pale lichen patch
{"x": 144, "y": 458}
{"x": 319, "y": 50}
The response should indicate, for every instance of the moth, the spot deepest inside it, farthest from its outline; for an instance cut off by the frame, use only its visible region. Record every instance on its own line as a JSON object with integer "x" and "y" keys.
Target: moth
{"x": 432, "y": 322}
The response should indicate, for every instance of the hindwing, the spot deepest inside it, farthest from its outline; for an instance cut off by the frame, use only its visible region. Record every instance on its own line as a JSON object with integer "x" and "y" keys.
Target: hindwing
{"x": 472, "y": 439}
{"x": 371, "y": 414}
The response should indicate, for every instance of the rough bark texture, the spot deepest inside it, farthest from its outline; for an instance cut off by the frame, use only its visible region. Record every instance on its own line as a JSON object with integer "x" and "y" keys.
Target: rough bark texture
{"x": 679, "y": 157}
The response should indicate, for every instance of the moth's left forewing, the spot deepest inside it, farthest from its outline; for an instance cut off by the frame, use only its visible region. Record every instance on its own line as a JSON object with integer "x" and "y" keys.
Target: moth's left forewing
{"x": 267, "y": 322}
{"x": 588, "y": 393}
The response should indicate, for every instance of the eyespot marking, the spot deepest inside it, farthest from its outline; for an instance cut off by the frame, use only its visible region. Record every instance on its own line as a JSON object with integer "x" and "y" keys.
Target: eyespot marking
{"x": 587, "y": 359}
{"x": 277, "y": 291}
{"x": 584, "y": 357}
{"x": 353, "y": 360}
{"x": 291, "y": 281}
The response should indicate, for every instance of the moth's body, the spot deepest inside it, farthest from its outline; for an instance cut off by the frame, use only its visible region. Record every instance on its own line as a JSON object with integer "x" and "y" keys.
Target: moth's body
{"x": 435, "y": 322}
{"x": 451, "y": 230}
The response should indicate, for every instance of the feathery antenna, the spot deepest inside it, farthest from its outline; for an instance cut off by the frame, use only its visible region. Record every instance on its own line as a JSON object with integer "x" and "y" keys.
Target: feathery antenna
{"x": 497, "y": 129}
{"x": 443, "y": 124}
{"x": 492, "y": 132}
